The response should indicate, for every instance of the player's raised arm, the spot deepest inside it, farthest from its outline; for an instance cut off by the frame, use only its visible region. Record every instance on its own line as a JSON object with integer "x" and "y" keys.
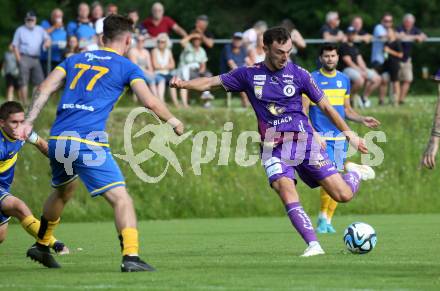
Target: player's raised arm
{"x": 198, "y": 84}
{"x": 334, "y": 116}
{"x": 39, "y": 99}
{"x": 153, "y": 103}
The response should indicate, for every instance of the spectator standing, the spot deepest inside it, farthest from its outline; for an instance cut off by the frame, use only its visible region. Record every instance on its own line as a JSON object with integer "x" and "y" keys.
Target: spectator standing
{"x": 330, "y": 31}
{"x": 361, "y": 35}
{"x": 393, "y": 56}
{"x": 297, "y": 39}
{"x": 159, "y": 23}
{"x": 201, "y": 26}
{"x": 11, "y": 72}
{"x": 250, "y": 36}
{"x": 380, "y": 36}
{"x": 97, "y": 13}
{"x": 28, "y": 41}
{"x": 164, "y": 64}
{"x": 58, "y": 35}
{"x": 141, "y": 57}
{"x": 111, "y": 9}
{"x": 408, "y": 33}
{"x": 234, "y": 55}
{"x": 83, "y": 29}
{"x": 192, "y": 64}
{"x": 72, "y": 46}
{"x": 353, "y": 65}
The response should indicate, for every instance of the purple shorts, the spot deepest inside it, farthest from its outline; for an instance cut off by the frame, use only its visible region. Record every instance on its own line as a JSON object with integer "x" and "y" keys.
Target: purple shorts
{"x": 303, "y": 155}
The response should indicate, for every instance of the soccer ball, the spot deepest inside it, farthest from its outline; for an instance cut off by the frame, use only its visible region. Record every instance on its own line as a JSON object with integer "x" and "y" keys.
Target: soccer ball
{"x": 360, "y": 238}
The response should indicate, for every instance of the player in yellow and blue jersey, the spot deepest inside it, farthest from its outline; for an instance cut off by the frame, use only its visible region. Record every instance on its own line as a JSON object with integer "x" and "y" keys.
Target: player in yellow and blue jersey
{"x": 11, "y": 116}
{"x": 336, "y": 87}
{"x": 78, "y": 145}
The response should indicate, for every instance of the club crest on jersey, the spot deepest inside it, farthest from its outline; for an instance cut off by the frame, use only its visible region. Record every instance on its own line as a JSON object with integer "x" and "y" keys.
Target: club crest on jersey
{"x": 339, "y": 83}
{"x": 275, "y": 110}
{"x": 258, "y": 90}
{"x": 289, "y": 90}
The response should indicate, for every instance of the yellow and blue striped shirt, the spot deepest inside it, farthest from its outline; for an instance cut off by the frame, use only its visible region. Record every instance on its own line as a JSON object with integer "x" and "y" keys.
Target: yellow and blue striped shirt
{"x": 9, "y": 149}
{"x": 337, "y": 89}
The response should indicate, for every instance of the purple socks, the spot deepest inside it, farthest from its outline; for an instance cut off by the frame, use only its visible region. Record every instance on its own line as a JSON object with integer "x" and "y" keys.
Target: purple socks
{"x": 301, "y": 221}
{"x": 353, "y": 180}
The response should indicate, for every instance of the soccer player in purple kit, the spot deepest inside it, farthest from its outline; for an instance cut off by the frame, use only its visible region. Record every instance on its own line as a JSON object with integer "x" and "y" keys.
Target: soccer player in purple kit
{"x": 275, "y": 87}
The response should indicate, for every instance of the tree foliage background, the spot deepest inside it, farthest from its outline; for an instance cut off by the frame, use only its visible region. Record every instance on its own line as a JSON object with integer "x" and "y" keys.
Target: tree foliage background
{"x": 229, "y": 16}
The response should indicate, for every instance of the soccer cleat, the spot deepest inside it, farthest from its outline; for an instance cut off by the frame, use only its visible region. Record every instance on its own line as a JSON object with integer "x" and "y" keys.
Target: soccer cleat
{"x": 135, "y": 264}
{"x": 60, "y": 248}
{"x": 313, "y": 250}
{"x": 41, "y": 254}
{"x": 365, "y": 172}
{"x": 321, "y": 227}
{"x": 330, "y": 228}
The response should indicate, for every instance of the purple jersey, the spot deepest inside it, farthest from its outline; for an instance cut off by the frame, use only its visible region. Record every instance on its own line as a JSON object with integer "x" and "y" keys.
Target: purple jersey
{"x": 275, "y": 96}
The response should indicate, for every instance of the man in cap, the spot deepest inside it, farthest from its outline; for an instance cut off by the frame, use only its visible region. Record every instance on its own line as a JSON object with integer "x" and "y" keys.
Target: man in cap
{"x": 27, "y": 43}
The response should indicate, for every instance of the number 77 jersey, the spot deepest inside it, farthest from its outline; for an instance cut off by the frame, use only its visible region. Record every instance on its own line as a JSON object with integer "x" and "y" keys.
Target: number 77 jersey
{"x": 95, "y": 81}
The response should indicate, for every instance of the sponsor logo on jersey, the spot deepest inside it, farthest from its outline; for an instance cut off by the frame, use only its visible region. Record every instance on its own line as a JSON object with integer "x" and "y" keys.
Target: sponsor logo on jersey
{"x": 261, "y": 83}
{"x": 324, "y": 83}
{"x": 288, "y": 76}
{"x": 260, "y": 77}
{"x": 275, "y": 110}
{"x": 274, "y": 80}
{"x": 258, "y": 90}
{"x": 289, "y": 90}
{"x": 286, "y": 119}
{"x": 90, "y": 57}
{"x": 288, "y": 81}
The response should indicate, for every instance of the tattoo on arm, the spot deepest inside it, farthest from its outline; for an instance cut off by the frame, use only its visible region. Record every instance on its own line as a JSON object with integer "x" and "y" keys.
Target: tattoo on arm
{"x": 39, "y": 99}
{"x": 436, "y": 124}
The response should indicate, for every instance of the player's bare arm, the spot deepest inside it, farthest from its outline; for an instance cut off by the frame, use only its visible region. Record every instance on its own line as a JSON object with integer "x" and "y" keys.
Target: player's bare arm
{"x": 352, "y": 115}
{"x": 428, "y": 159}
{"x": 39, "y": 142}
{"x": 39, "y": 99}
{"x": 198, "y": 84}
{"x": 334, "y": 116}
{"x": 153, "y": 103}
{"x": 306, "y": 106}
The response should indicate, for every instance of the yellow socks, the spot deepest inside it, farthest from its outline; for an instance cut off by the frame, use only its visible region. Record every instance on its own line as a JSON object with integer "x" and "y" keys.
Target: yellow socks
{"x": 325, "y": 200}
{"x": 45, "y": 233}
{"x": 328, "y": 206}
{"x": 331, "y": 209}
{"x": 31, "y": 225}
{"x": 129, "y": 241}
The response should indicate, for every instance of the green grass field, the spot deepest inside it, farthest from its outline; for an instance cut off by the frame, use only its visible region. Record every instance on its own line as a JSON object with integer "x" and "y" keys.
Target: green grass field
{"x": 233, "y": 254}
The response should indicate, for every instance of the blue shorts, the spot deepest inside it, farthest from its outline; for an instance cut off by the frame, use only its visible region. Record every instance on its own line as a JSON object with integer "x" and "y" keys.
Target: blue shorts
{"x": 337, "y": 152}
{"x": 3, "y": 217}
{"x": 94, "y": 165}
{"x": 155, "y": 79}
